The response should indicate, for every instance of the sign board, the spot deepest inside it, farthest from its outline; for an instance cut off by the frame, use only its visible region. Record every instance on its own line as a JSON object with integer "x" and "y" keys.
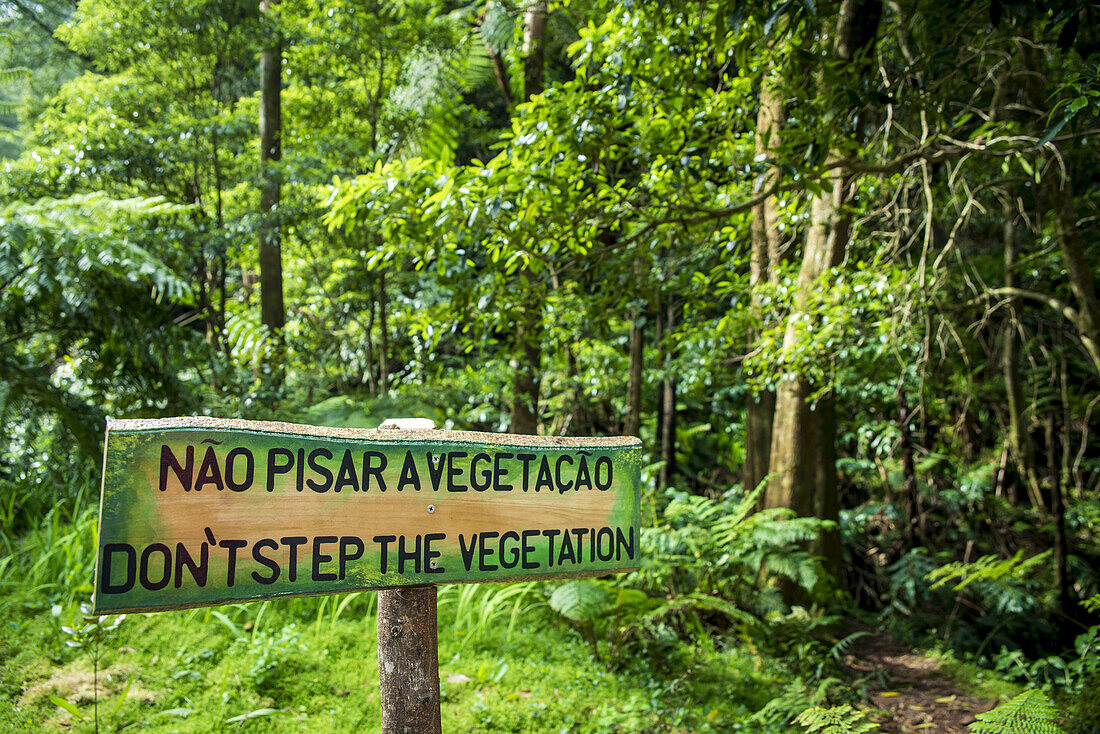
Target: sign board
{"x": 201, "y": 511}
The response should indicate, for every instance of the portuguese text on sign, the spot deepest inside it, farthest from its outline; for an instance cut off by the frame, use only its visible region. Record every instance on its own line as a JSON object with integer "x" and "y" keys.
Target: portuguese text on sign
{"x": 199, "y": 511}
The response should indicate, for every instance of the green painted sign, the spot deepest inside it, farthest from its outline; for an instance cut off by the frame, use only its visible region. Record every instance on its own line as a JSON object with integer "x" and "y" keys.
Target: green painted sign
{"x": 201, "y": 511}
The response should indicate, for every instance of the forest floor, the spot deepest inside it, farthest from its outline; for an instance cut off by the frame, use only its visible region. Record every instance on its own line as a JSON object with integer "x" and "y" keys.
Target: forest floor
{"x": 911, "y": 691}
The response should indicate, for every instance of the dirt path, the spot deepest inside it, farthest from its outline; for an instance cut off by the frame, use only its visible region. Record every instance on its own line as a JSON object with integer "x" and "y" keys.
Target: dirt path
{"x": 911, "y": 691}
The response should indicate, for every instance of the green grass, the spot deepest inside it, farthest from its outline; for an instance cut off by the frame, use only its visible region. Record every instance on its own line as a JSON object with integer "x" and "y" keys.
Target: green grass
{"x": 298, "y": 666}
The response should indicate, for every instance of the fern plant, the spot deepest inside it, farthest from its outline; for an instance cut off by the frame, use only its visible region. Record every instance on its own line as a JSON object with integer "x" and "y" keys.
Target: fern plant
{"x": 7, "y": 76}
{"x": 724, "y": 548}
{"x": 841, "y": 719}
{"x": 987, "y": 569}
{"x": 1032, "y": 712}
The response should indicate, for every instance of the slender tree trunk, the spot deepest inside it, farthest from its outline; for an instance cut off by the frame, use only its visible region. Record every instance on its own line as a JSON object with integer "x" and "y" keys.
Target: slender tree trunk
{"x": 914, "y": 512}
{"x": 667, "y": 474}
{"x": 763, "y": 267}
{"x": 580, "y": 419}
{"x": 528, "y": 360}
{"x": 1019, "y": 441}
{"x": 1057, "y": 190}
{"x": 270, "y": 245}
{"x": 383, "y": 336}
{"x": 500, "y": 71}
{"x": 534, "y": 37}
{"x": 372, "y": 384}
{"x": 527, "y": 367}
{"x": 826, "y": 499}
{"x": 1058, "y": 511}
{"x": 659, "y": 341}
{"x": 804, "y": 437}
{"x": 633, "y": 421}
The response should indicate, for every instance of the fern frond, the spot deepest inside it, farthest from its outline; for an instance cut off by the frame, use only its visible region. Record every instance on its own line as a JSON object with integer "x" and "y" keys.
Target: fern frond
{"x": 498, "y": 27}
{"x": 838, "y": 720}
{"x": 247, "y": 337}
{"x": 1032, "y": 712}
{"x": 580, "y": 601}
{"x": 986, "y": 568}
{"x": 795, "y": 697}
{"x": 16, "y": 73}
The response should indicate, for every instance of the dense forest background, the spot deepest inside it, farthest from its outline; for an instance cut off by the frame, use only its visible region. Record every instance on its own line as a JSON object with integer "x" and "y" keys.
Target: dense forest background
{"x": 835, "y": 263}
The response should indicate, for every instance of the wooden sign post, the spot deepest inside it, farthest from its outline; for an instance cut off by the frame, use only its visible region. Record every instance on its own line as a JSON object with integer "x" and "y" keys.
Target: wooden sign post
{"x": 203, "y": 511}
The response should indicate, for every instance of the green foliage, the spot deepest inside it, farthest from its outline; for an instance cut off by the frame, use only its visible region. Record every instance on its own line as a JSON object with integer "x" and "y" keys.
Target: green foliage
{"x": 726, "y": 548}
{"x": 580, "y": 601}
{"x": 1031, "y": 712}
{"x": 1083, "y": 707}
{"x": 76, "y": 285}
{"x": 478, "y": 608}
{"x": 795, "y": 698}
{"x": 987, "y": 569}
{"x": 841, "y": 719}
{"x": 7, "y": 76}
{"x": 423, "y": 216}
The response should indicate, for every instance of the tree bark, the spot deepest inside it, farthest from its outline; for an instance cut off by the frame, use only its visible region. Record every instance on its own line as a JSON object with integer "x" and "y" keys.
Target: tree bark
{"x": 383, "y": 336}
{"x": 826, "y": 499}
{"x": 914, "y": 511}
{"x": 1058, "y": 511}
{"x": 1057, "y": 189}
{"x": 272, "y": 311}
{"x": 1019, "y": 441}
{"x": 667, "y": 434}
{"x": 763, "y": 267}
{"x": 534, "y": 36}
{"x": 526, "y": 369}
{"x": 527, "y": 364}
{"x": 633, "y": 421}
{"x": 802, "y": 460}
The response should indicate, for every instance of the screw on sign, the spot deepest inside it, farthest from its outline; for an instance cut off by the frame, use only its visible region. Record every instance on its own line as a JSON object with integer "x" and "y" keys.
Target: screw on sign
{"x": 203, "y": 511}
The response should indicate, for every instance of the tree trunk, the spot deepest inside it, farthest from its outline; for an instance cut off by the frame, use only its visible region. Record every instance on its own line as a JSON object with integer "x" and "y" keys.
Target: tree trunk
{"x": 1058, "y": 510}
{"x": 526, "y": 369}
{"x": 1057, "y": 190}
{"x": 272, "y": 312}
{"x": 667, "y": 433}
{"x": 383, "y": 337}
{"x": 534, "y": 37}
{"x": 763, "y": 267}
{"x": 372, "y": 385}
{"x": 826, "y": 499}
{"x": 527, "y": 364}
{"x": 1019, "y": 441}
{"x": 803, "y": 438}
{"x": 914, "y": 510}
{"x": 633, "y": 421}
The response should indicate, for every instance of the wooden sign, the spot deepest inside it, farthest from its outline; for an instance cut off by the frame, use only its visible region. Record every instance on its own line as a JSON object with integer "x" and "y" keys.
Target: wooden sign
{"x": 201, "y": 511}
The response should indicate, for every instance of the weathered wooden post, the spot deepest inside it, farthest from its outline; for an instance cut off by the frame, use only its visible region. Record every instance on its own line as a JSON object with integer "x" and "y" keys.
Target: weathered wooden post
{"x": 408, "y": 646}
{"x": 204, "y": 511}
{"x": 408, "y": 660}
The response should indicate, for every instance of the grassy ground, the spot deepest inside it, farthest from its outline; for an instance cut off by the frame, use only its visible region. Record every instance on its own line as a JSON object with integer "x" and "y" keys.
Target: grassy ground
{"x": 310, "y": 665}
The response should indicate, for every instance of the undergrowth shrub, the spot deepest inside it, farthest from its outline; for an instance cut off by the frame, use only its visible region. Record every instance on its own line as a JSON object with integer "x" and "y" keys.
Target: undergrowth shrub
{"x": 707, "y": 565}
